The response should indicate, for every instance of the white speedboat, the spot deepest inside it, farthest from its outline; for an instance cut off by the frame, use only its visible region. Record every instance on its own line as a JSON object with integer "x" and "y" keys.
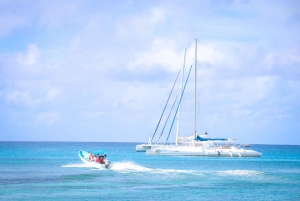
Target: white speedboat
{"x": 96, "y": 158}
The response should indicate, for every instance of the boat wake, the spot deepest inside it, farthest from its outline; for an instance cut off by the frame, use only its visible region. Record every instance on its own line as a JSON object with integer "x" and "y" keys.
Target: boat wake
{"x": 126, "y": 167}
{"x": 83, "y": 165}
{"x": 131, "y": 167}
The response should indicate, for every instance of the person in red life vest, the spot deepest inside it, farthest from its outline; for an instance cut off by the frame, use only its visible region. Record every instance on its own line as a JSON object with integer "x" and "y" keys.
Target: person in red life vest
{"x": 100, "y": 159}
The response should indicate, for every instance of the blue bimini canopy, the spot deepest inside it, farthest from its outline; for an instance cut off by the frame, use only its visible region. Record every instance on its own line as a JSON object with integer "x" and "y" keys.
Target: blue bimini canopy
{"x": 100, "y": 152}
{"x": 198, "y": 138}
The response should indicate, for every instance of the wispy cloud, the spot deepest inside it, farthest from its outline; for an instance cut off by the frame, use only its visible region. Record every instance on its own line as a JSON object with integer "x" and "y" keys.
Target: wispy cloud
{"x": 48, "y": 118}
{"x": 108, "y": 67}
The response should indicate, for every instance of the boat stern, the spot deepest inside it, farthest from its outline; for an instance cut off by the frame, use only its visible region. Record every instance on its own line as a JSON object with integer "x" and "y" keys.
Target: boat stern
{"x": 142, "y": 147}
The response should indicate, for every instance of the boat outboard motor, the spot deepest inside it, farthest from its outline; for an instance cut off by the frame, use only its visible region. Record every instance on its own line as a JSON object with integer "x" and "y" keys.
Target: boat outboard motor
{"x": 107, "y": 163}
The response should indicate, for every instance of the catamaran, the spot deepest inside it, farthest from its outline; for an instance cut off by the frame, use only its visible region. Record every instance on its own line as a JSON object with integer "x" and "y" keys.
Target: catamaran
{"x": 205, "y": 147}
{"x": 196, "y": 145}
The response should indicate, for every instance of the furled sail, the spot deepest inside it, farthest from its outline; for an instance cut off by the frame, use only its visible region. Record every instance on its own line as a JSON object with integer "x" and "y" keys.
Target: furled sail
{"x": 198, "y": 138}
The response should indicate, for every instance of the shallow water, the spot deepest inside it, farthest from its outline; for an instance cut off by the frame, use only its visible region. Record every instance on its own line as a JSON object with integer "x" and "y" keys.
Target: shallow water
{"x": 53, "y": 171}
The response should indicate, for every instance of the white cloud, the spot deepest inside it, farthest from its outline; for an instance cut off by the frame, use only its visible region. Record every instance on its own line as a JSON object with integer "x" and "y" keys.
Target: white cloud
{"x": 220, "y": 56}
{"x": 282, "y": 56}
{"x": 208, "y": 53}
{"x": 265, "y": 85}
{"x": 32, "y": 55}
{"x": 161, "y": 53}
{"x": 53, "y": 93}
{"x": 11, "y": 22}
{"x": 30, "y": 94}
{"x": 141, "y": 24}
{"x": 57, "y": 14}
{"x": 48, "y": 118}
{"x": 19, "y": 97}
{"x": 77, "y": 50}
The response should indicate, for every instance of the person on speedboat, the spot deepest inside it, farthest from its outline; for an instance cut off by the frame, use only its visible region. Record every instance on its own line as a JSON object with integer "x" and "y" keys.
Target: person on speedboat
{"x": 96, "y": 158}
{"x": 100, "y": 159}
{"x": 91, "y": 157}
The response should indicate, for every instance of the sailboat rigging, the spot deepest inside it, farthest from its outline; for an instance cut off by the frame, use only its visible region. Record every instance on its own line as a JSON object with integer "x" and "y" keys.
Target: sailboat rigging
{"x": 195, "y": 145}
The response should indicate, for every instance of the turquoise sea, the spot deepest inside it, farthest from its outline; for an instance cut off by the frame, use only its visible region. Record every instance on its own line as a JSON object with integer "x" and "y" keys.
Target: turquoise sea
{"x": 53, "y": 171}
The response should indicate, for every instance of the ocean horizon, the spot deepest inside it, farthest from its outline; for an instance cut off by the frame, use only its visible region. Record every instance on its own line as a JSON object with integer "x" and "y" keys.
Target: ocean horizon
{"x": 35, "y": 170}
{"x": 142, "y": 142}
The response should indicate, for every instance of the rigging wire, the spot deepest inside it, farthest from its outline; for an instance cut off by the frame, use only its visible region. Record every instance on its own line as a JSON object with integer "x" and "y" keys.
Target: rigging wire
{"x": 209, "y": 106}
{"x": 201, "y": 117}
{"x": 203, "y": 120}
{"x": 167, "y": 119}
{"x": 200, "y": 108}
{"x": 179, "y": 103}
{"x": 190, "y": 114}
{"x": 165, "y": 106}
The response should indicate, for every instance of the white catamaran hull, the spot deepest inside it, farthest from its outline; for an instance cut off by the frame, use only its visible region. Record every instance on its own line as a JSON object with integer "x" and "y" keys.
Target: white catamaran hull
{"x": 144, "y": 147}
{"x": 84, "y": 156}
{"x": 199, "y": 151}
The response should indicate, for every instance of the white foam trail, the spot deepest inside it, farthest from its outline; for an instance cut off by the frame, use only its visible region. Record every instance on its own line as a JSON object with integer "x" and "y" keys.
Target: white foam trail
{"x": 128, "y": 167}
{"x": 131, "y": 167}
{"x": 241, "y": 172}
{"x": 83, "y": 165}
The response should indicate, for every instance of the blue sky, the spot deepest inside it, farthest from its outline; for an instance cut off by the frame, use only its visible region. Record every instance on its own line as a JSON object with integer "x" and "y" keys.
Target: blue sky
{"x": 102, "y": 70}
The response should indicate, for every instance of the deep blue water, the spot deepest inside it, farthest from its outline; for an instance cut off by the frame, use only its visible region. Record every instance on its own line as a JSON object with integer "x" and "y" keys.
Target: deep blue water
{"x": 53, "y": 171}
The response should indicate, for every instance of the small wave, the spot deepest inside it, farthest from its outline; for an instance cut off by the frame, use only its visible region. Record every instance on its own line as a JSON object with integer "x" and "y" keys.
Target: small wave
{"x": 170, "y": 171}
{"x": 241, "y": 172}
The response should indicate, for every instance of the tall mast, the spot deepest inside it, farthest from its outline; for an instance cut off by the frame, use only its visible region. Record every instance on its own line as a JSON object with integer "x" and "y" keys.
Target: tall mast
{"x": 195, "y": 128}
{"x": 178, "y": 115}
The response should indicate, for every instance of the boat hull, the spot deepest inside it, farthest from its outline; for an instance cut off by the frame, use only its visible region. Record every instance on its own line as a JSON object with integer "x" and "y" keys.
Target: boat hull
{"x": 142, "y": 147}
{"x": 84, "y": 156}
{"x": 145, "y": 147}
{"x": 195, "y": 151}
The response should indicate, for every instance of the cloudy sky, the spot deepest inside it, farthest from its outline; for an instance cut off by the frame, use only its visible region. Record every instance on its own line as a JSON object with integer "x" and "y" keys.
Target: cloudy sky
{"x": 103, "y": 70}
